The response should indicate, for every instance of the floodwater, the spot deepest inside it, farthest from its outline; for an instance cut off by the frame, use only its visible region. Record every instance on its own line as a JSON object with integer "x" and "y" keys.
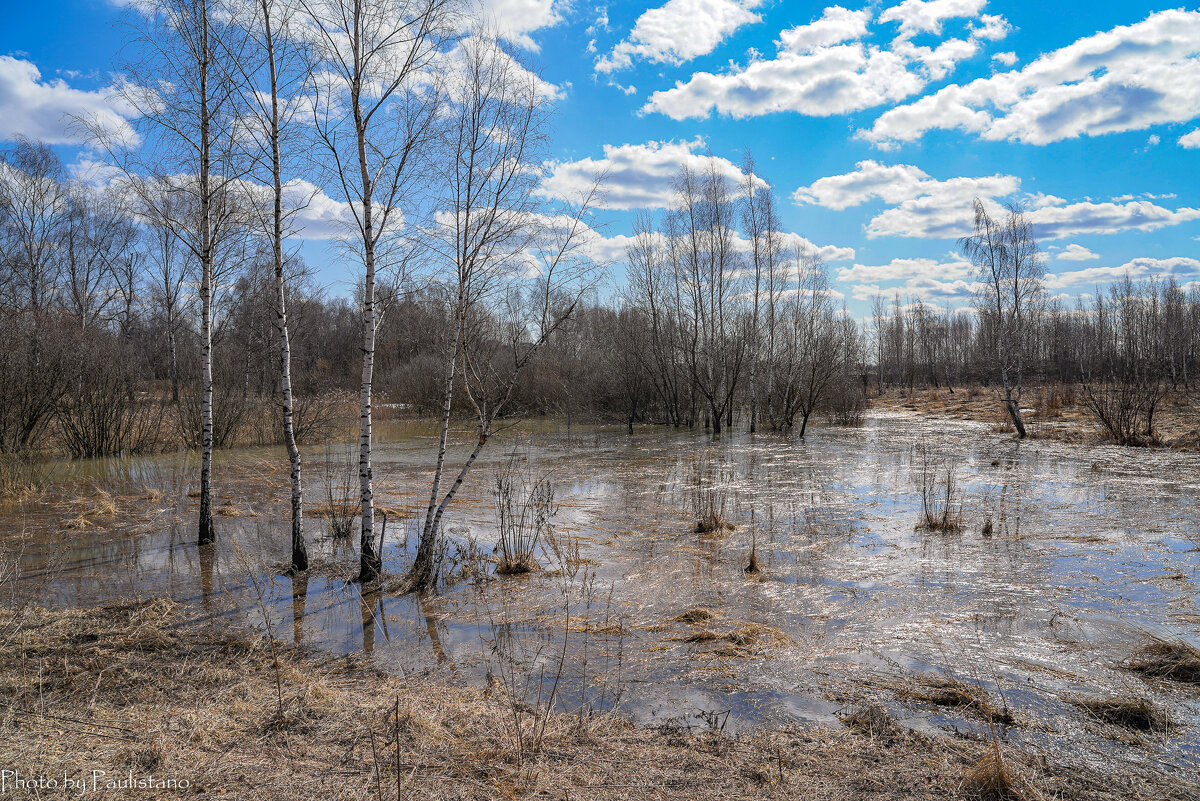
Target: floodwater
{"x": 1090, "y": 551}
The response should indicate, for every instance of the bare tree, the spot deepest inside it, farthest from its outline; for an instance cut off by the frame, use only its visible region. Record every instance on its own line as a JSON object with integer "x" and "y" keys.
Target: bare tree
{"x": 183, "y": 175}
{"x": 374, "y": 113}
{"x": 494, "y": 236}
{"x": 1005, "y": 256}
{"x": 706, "y": 263}
{"x": 273, "y": 72}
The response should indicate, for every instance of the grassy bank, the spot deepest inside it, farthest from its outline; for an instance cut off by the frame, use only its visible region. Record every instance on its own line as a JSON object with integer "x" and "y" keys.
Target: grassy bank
{"x": 1053, "y": 411}
{"x": 142, "y": 693}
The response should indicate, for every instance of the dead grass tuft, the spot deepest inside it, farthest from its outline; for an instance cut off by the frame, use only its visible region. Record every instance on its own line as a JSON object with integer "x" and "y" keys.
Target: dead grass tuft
{"x": 1139, "y": 714}
{"x": 993, "y": 779}
{"x": 713, "y": 521}
{"x": 952, "y": 692}
{"x": 1174, "y": 660}
{"x": 872, "y": 719}
{"x": 697, "y": 615}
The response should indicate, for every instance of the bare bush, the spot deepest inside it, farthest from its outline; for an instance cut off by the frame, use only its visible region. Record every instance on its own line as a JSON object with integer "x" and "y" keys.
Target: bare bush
{"x": 524, "y": 508}
{"x": 102, "y": 415}
{"x": 1125, "y": 407}
{"x": 941, "y": 502}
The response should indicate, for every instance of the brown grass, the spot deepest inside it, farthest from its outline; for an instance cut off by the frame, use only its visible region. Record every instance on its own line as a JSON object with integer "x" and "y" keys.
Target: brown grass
{"x": 992, "y": 778}
{"x": 953, "y": 692}
{"x": 1135, "y": 713}
{"x": 1174, "y": 660}
{"x": 697, "y": 615}
{"x": 142, "y": 688}
{"x": 872, "y": 719}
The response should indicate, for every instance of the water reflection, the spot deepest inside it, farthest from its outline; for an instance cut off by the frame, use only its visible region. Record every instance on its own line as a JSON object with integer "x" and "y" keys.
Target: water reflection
{"x": 1086, "y": 549}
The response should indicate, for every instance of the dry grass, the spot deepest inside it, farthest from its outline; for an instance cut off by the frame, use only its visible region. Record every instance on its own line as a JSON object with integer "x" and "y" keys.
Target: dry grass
{"x": 713, "y": 521}
{"x": 138, "y": 687}
{"x": 992, "y": 778}
{"x": 697, "y": 615}
{"x": 1139, "y": 714}
{"x": 956, "y": 693}
{"x": 1174, "y": 660}
{"x": 872, "y": 719}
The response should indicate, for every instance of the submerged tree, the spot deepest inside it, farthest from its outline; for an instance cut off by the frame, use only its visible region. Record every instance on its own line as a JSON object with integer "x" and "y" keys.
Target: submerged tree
{"x": 1005, "y": 256}
{"x": 273, "y": 73}
{"x": 374, "y": 113}
{"x": 185, "y": 173}
{"x": 517, "y": 269}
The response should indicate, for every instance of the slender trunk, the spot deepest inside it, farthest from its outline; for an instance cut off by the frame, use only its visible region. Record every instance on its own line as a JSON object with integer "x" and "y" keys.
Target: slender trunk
{"x": 207, "y": 533}
{"x": 299, "y": 548}
{"x": 369, "y": 562}
{"x": 427, "y": 531}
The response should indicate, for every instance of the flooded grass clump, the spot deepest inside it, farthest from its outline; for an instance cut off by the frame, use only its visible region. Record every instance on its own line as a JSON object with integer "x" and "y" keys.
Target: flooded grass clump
{"x": 872, "y": 719}
{"x": 1174, "y": 660}
{"x": 710, "y": 497}
{"x": 697, "y": 615}
{"x": 1135, "y": 713}
{"x": 956, "y": 693}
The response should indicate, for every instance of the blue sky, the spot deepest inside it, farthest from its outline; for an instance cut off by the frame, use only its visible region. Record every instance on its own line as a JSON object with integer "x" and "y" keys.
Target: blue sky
{"x": 876, "y": 123}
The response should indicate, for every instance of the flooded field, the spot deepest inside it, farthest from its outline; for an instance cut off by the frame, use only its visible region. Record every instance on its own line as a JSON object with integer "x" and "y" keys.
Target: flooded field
{"x": 1062, "y": 562}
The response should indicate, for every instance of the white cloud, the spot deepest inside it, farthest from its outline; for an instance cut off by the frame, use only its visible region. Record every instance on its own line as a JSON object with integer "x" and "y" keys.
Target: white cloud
{"x": 679, "y": 31}
{"x": 516, "y": 20}
{"x": 908, "y": 269}
{"x": 826, "y": 82}
{"x": 929, "y": 289}
{"x": 1076, "y": 253}
{"x": 638, "y": 176}
{"x": 922, "y": 206}
{"x": 835, "y": 26}
{"x": 925, "y": 16}
{"x": 1190, "y": 139}
{"x": 1143, "y": 267}
{"x": 826, "y": 68}
{"x": 925, "y": 207}
{"x": 1007, "y": 59}
{"x": 1129, "y": 78}
{"x": 47, "y": 110}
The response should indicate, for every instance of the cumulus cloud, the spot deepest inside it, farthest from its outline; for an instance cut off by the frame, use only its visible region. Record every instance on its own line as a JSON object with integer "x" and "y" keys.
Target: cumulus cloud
{"x": 835, "y": 26}
{"x": 516, "y": 20}
{"x": 1190, "y": 139}
{"x": 47, "y": 110}
{"x": 1075, "y": 253}
{"x": 1144, "y": 267}
{"x": 679, "y": 31}
{"x": 825, "y": 68}
{"x": 926, "y": 16}
{"x": 953, "y": 269}
{"x": 1007, "y": 59}
{"x": 1128, "y": 78}
{"x": 925, "y": 207}
{"x": 637, "y": 176}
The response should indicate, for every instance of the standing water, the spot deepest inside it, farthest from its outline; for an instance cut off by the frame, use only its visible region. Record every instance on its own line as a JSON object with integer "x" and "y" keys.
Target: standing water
{"x": 1058, "y": 563}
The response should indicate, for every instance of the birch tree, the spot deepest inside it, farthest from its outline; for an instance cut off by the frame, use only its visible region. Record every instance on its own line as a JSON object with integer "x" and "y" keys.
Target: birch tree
{"x": 273, "y": 74}
{"x": 705, "y": 259}
{"x": 494, "y": 235}
{"x": 1009, "y": 272}
{"x": 374, "y": 113}
{"x": 185, "y": 171}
